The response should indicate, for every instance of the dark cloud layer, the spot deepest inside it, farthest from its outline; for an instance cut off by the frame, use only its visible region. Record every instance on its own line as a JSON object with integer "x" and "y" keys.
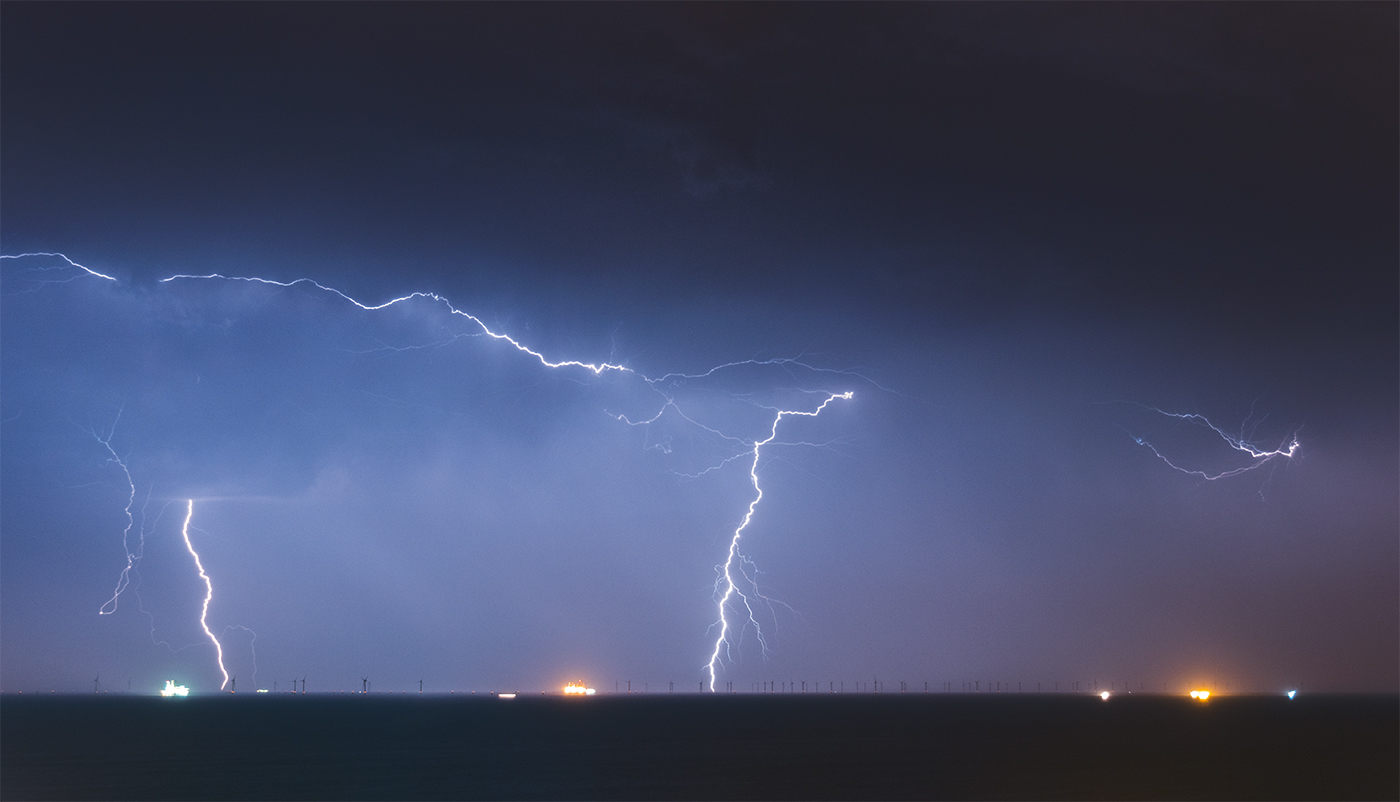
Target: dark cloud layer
{"x": 1012, "y": 222}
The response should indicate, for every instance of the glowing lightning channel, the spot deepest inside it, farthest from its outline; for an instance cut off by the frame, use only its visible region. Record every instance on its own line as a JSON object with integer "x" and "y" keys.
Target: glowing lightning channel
{"x": 132, "y": 557}
{"x": 725, "y": 586}
{"x": 208, "y": 593}
{"x": 1259, "y": 456}
{"x": 88, "y": 270}
{"x": 597, "y": 368}
{"x": 252, "y": 646}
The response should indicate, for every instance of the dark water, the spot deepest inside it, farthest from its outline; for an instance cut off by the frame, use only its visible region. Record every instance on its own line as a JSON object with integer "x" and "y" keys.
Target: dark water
{"x": 694, "y": 747}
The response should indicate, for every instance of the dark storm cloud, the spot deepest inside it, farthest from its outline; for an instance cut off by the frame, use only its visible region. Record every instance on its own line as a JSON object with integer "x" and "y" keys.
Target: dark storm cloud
{"x": 941, "y": 128}
{"x": 1014, "y": 217}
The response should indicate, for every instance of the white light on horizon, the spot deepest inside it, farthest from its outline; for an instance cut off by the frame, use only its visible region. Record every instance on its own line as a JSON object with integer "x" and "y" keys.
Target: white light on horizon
{"x": 171, "y": 689}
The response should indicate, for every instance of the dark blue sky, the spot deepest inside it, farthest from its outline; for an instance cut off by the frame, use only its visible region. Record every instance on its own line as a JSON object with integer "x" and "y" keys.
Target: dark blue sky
{"x": 1003, "y": 227}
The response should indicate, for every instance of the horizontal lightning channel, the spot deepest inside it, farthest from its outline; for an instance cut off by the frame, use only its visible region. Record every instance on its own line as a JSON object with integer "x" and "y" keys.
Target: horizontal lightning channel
{"x": 597, "y": 368}
{"x": 88, "y": 270}
{"x": 1259, "y": 455}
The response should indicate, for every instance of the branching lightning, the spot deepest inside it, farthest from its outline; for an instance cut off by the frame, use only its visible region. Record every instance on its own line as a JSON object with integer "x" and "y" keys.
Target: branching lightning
{"x": 735, "y": 584}
{"x": 89, "y": 271}
{"x": 132, "y": 557}
{"x": 725, "y": 585}
{"x": 596, "y": 368}
{"x": 1258, "y": 455}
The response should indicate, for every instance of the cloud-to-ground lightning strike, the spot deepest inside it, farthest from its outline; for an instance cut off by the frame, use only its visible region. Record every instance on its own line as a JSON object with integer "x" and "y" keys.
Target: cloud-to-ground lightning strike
{"x": 1258, "y": 456}
{"x": 133, "y": 557}
{"x": 208, "y": 592}
{"x": 727, "y": 586}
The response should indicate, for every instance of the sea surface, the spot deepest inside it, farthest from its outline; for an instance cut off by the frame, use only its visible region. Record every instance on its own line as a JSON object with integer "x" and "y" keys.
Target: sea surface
{"x": 796, "y": 746}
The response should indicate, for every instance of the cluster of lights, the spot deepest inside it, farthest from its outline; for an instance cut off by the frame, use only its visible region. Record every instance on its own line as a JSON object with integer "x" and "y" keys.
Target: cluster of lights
{"x": 577, "y": 689}
{"x": 171, "y": 689}
{"x": 1201, "y": 695}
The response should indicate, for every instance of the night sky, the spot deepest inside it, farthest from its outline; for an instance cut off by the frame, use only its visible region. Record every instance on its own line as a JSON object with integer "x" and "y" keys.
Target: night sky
{"x": 1013, "y": 232}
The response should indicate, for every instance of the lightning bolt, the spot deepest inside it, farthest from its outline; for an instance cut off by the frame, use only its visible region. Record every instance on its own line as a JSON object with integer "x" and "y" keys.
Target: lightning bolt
{"x": 725, "y": 585}
{"x": 132, "y": 557}
{"x": 1259, "y": 456}
{"x": 252, "y": 646}
{"x": 733, "y": 580}
{"x": 86, "y": 270}
{"x": 208, "y": 593}
{"x": 596, "y": 368}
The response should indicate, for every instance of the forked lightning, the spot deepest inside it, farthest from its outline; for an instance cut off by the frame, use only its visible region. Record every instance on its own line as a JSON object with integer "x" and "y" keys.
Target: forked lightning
{"x": 732, "y": 580}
